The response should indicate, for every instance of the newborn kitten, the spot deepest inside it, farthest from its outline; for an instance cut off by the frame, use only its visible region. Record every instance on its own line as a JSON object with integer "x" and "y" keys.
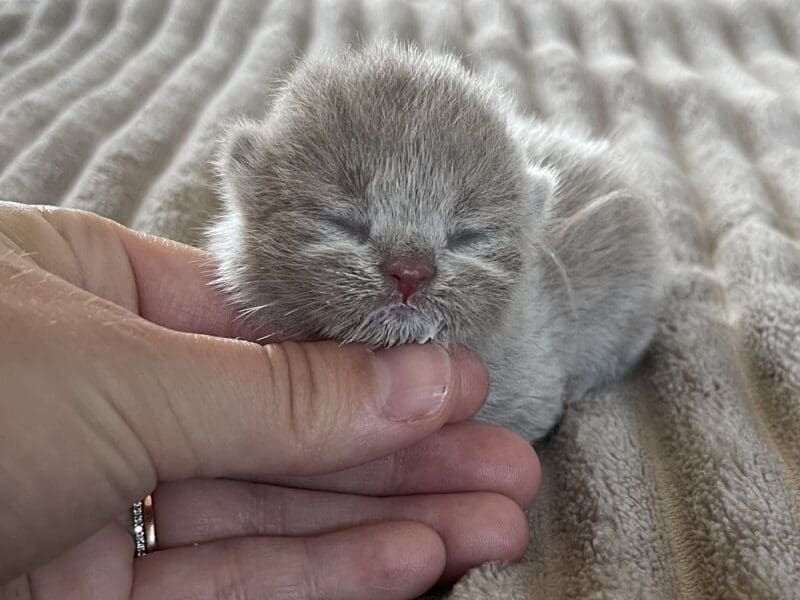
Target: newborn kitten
{"x": 390, "y": 196}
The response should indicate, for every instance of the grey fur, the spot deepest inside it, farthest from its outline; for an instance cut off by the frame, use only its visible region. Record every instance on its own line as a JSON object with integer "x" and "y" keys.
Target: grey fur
{"x": 548, "y": 261}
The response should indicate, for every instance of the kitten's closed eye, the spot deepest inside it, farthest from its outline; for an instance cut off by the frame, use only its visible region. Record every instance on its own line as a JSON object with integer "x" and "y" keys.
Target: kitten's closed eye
{"x": 354, "y": 228}
{"x": 465, "y": 238}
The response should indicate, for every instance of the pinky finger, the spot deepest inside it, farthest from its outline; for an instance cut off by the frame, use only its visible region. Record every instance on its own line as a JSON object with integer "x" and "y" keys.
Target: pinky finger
{"x": 389, "y": 560}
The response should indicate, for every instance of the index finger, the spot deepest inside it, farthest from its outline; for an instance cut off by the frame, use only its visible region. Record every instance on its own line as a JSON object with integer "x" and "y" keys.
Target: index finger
{"x": 176, "y": 290}
{"x": 165, "y": 282}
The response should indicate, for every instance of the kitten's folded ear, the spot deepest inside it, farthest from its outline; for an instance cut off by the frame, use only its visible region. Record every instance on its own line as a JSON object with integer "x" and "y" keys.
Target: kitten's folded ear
{"x": 242, "y": 160}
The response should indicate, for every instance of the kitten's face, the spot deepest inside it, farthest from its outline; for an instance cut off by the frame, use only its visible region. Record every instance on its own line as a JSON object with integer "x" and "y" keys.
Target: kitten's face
{"x": 377, "y": 205}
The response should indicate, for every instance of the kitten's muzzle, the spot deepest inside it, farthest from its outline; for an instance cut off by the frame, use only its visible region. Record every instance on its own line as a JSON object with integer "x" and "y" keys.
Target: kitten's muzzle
{"x": 409, "y": 274}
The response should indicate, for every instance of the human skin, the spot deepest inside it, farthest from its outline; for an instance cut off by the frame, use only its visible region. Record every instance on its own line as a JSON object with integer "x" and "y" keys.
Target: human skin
{"x": 290, "y": 470}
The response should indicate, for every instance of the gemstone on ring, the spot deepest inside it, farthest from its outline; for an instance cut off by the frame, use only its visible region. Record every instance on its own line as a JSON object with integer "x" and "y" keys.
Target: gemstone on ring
{"x": 137, "y": 513}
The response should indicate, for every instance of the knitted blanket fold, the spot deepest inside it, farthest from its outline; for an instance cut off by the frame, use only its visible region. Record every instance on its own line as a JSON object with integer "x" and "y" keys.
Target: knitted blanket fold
{"x": 682, "y": 480}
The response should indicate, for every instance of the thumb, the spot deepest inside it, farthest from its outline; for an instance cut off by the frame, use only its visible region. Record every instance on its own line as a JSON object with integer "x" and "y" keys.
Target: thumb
{"x": 223, "y": 408}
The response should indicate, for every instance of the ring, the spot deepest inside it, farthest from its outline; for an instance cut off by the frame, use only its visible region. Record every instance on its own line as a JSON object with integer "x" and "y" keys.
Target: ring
{"x": 143, "y": 526}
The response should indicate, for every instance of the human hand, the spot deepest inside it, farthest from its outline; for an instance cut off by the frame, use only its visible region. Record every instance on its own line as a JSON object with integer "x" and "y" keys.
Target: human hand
{"x": 297, "y": 470}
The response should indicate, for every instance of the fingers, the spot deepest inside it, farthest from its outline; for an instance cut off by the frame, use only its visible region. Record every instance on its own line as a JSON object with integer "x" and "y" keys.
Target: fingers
{"x": 475, "y": 527}
{"x": 463, "y": 457}
{"x": 390, "y": 560}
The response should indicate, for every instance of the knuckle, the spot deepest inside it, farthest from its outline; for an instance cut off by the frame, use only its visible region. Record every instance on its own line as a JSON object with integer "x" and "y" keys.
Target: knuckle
{"x": 228, "y": 579}
{"x": 254, "y": 569}
{"x": 265, "y": 514}
{"x": 397, "y": 467}
{"x": 312, "y": 585}
{"x": 304, "y": 393}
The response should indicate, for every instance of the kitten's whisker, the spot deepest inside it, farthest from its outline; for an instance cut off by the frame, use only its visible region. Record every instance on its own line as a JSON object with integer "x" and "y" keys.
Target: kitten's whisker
{"x": 265, "y": 338}
{"x": 252, "y": 310}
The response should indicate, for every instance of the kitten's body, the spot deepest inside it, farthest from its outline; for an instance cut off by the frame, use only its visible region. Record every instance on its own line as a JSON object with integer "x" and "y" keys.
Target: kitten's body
{"x": 586, "y": 305}
{"x": 547, "y": 262}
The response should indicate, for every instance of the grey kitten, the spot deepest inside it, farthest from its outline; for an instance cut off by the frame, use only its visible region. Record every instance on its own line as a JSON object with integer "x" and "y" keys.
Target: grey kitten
{"x": 391, "y": 196}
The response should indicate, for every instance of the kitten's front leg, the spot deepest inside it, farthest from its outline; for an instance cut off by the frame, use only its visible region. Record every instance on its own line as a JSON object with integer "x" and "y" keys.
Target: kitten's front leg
{"x": 527, "y": 361}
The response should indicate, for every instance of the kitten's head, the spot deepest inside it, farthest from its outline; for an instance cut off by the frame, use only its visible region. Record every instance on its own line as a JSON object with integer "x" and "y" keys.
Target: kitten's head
{"x": 382, "y": 201}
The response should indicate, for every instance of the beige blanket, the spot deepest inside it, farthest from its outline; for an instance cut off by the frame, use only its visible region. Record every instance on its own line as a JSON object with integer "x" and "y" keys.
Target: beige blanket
{"x": 683, "y": 480}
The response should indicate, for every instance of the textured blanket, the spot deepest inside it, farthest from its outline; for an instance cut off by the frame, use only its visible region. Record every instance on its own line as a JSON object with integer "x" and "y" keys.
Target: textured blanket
{"x": 682, "y": 480}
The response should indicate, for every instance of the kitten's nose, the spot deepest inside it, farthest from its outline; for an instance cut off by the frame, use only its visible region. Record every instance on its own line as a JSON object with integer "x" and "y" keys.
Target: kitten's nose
{"x": 409, "y": 274}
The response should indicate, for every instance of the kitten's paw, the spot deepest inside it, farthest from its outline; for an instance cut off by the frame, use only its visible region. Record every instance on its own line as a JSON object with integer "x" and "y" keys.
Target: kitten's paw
{"x": 533, "y": 419}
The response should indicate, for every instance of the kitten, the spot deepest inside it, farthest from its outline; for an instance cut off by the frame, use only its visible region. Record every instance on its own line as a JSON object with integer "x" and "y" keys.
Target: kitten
{"x": 391, "y": 196}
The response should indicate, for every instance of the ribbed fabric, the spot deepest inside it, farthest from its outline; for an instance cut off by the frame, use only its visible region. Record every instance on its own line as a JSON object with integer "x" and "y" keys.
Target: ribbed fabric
{"x": 683, "y": 481}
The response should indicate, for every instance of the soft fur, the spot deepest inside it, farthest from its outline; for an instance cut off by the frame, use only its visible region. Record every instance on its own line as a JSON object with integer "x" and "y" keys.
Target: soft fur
{"x": 548, "y": 263}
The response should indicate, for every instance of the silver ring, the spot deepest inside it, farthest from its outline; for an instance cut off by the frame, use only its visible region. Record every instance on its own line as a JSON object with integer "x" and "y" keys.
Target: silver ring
{"x": 143, "y": 526}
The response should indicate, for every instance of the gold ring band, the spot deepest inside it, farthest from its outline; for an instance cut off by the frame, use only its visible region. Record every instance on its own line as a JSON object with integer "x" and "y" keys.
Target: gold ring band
{"x": 143, "y": 526}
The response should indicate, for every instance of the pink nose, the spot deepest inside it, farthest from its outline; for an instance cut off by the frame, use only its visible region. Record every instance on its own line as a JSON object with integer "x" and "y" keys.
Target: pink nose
{"x": 409, "y": 274}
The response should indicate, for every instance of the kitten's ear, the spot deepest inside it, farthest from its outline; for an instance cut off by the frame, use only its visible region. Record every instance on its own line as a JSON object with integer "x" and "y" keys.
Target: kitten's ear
{"x": 242, "y": 160}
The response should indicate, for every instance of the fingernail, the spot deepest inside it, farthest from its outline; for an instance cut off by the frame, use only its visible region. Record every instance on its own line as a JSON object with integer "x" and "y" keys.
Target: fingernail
{"x": 413, "y": 380}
